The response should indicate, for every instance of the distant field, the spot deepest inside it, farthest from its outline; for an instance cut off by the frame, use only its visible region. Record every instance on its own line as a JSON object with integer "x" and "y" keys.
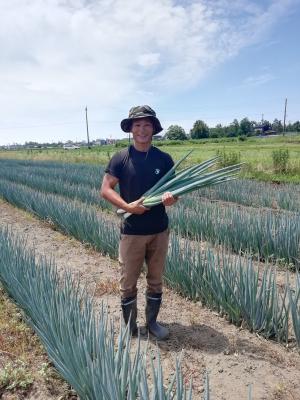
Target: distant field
{"x": 255, "y": 152}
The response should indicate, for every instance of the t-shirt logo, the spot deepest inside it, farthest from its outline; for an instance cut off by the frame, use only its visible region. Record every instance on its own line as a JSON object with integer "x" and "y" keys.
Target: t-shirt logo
{"x": 157, "y": 171}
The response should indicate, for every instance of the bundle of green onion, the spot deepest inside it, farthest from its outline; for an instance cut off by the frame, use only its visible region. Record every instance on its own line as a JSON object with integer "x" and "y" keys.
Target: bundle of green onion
{"x": 186, "y": 180}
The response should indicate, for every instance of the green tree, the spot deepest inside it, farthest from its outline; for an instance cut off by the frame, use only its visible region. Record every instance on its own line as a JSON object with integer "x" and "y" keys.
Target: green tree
{"x": 217, "y": 131}
{"x": 277, "y": 125}
{"x": 296, "y": 126}
{"x": 246, "y": 127}
{"x": 175, "y": 132}
{"x": 233, "y": 128}
{"x": 200, "y": 130}
{"x": 213, "y": 133}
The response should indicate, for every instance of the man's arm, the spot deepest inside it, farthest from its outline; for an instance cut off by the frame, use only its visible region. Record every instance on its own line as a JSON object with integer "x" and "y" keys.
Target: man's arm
{"x": 108, "y": 192}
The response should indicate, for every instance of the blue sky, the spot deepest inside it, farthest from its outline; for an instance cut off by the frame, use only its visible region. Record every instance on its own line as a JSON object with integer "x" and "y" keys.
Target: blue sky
{"x": 211, "y": 60}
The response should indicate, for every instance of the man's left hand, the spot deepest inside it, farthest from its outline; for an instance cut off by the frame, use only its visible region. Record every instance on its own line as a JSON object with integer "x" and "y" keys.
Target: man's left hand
{"x": 168, "y": 199}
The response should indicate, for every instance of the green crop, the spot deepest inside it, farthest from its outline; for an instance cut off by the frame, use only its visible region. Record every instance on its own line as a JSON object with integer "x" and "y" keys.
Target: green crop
{"x": 223, "y": 283}
{"x": 186, "y": 181}
{"x": 82, "y": 344}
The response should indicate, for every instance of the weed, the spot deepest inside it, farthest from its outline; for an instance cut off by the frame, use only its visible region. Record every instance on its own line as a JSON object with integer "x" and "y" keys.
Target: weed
{"x": 280, "y": 160}
{"x": 14, "y": 377}
{"x": 55, "y": 384}
{"x": 230, "y": 158}
{"x": 15, "y": 335}
{"x": 108, "y": 154}
{"x": 107, "y": 286}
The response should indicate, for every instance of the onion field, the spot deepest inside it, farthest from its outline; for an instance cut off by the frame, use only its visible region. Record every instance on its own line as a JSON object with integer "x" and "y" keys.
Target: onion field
{"x": 242, "y": 222}
{"x": 265, "y": 232}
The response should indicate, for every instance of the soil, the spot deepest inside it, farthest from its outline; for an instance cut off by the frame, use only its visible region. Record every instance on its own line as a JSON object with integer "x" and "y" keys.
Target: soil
{"x": 233, "y": 357}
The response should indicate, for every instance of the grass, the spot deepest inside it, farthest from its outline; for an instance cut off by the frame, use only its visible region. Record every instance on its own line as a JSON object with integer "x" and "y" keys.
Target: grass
{"x": 256, "y": 152}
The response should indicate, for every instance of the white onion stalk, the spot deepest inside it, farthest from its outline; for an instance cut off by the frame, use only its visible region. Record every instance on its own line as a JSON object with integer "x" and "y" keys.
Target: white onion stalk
{"x": 186, "y": 181}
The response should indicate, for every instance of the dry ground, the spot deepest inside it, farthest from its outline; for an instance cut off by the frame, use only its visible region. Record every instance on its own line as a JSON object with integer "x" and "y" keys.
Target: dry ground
{"x": 234, "y": 357}
{"x": 25, "y": 370}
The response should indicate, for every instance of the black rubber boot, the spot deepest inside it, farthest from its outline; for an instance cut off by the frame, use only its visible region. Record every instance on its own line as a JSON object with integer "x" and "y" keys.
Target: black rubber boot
{"x": 152, "y": 310}
{"x": 129, "y": 308}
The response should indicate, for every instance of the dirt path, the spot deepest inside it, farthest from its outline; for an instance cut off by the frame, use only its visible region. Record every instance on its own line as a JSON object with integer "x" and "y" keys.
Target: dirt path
{"x": 233, "y": 357}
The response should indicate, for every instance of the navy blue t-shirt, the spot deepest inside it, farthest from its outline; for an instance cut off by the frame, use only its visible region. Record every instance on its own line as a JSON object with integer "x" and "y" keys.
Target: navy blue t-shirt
{"x": 137, "y": 172}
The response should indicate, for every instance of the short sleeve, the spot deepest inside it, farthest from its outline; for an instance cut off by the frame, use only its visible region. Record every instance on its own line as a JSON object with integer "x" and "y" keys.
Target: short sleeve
{"x": 114, "y": 166}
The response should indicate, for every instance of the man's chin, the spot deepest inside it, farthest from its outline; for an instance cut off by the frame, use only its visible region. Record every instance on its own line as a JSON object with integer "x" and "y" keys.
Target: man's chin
{"x": 143, "y": 140}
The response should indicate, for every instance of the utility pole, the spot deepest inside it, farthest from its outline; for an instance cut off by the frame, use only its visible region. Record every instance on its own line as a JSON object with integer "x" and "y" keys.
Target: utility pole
{"x": 262, "y": 124}
{"x": 87, "y": 128}
{"x": 284, "y": 118}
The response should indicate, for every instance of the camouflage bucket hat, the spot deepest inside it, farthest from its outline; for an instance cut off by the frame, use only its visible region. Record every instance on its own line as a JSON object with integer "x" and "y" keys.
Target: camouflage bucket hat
{"x": 141, "y": 112}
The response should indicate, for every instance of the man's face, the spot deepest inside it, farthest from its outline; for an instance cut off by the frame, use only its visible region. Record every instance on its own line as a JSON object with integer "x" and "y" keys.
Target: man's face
{"x": 142, "y": 130}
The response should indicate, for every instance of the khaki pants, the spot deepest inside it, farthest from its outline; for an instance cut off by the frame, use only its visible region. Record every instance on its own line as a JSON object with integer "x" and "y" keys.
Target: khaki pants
{"x": 133, "y": 251}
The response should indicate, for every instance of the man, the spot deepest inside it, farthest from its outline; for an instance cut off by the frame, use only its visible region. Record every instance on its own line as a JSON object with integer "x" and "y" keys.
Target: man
{"x": 144, "y": 235}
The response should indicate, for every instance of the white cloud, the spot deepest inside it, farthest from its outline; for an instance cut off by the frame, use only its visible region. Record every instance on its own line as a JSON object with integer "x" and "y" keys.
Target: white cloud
{"x": 258, "y": 80}
{"x": 56, "y": 56}
{"x": 149, "y": 59}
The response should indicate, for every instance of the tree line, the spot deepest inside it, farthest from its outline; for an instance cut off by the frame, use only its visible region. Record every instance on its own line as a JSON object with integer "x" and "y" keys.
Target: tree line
{"x": 245, "y": 127}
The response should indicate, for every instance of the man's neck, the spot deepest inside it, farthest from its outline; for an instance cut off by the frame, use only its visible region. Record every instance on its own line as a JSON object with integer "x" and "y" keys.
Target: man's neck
{"x": 142, "y": 147}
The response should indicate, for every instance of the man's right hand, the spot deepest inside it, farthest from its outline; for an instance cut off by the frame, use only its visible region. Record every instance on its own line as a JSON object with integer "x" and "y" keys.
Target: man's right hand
{"x": 136, "y": 207}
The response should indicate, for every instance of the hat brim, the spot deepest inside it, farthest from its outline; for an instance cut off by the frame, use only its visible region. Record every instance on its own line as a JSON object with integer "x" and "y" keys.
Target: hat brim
{"x": 127, "y": 123}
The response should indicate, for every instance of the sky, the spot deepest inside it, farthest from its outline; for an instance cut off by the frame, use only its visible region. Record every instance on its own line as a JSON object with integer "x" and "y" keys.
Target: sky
{"x": 196, "y": 59}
